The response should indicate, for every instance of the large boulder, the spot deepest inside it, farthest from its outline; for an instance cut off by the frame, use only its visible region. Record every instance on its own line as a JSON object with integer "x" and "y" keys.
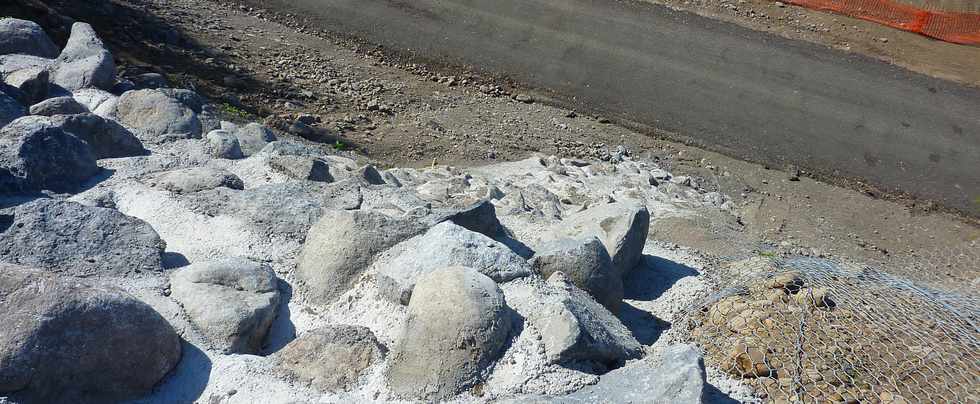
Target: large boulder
{"x": 107, "y": 138}
{"x": 156, "y": 116}
{"x": 32, "y": 83}
{"x": 342, "y": 244}
{"x": 331, "y": 358}
{"x": 65, "y": 340}
{"x": 457, "y": 326}
{"x": 36, "y": 154}
{"x": 232, "y": 301}
{"x": 10, "y": 64}
{"x": 195, "y": 179}
{"x": 58, "y": 106}
{"x": 574, "y": 327}
{"x": 100, "y": 102}
{"x": 223, "y": 145}
{"x": 678, "y": 377}
{"x": 79, "y": 240}
{"x": 444, "y": 245}
{"x": 586, "y": 263}
{"x": 622, "y": 227}
{"x": 26, "y": 38}
{"x": 254, "y": 137}
{"x": 301, "y": 168}
{"x": 84, "y": 62}
{"x": 10, "y": 109}
{"x": 480, "y": 217}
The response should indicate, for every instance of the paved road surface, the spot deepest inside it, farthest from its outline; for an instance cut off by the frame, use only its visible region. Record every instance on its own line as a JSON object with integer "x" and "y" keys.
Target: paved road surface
{"x": 741, "y": 92}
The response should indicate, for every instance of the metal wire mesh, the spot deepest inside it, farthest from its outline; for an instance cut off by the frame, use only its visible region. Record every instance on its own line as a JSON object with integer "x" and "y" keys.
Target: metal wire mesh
{"x": 812, "y": 330}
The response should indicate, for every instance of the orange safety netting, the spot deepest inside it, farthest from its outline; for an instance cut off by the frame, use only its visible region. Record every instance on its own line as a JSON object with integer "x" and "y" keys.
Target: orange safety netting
{"x": 956, "y": 27}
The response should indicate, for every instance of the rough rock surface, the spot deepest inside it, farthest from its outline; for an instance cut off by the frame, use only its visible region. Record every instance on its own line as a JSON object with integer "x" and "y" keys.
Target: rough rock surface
{"x": 58, "y": 106}
{"x": 586, "y": 263}
{"x": 100, "y": 102}
{"x": 194, "y": 179}
{"x": 444, "y": 245}
{"x": 574, "y": 327}
{"x": 622, "y": 227}
{"x": 253, "y": 137}
{"x": 232, "y": 301}
{"x": 342, "y": 244}
{"x": 157, "y": 117}
{"x": 25, "y": 37}
{"x": 480, "y": 217}
{"x": 10, "y": 109}
{"x": 457, "y": 325}
{"x": 224, "y": 145}
{"x": 33, "y": 83}
{"x": 36, "y": 154}
{"x": 70, "y": 341}
{"x": 302, "y": 168}
{"x": 107, "y": 138}
{"x": 78, "y": 240}
{"x": 331, "y": 358}
{"x": 84, "y": 62}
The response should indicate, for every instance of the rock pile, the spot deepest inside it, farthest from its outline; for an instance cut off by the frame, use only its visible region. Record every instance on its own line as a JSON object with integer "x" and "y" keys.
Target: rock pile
{"x": 299, "y": 262}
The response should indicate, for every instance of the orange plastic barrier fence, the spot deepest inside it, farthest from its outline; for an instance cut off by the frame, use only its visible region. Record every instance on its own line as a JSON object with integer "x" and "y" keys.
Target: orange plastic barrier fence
{"x": 962, "y": 28}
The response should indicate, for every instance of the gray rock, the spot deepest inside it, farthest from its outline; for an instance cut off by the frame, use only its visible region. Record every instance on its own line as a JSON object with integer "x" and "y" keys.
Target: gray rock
{"x": 480, "y": 217}
{"x": 36, "y": 154}
{"x": 100, "y": 102}
{"x": 84, "y": 62}
{"x": 224, "y": 145}
{"x": 573, "y": 326}
{"x": 10, "y": 110}
{"x": 79, "y": 240}
{"x": 586, "y": 263}
{"x": 444, "y": 245}
{"x": 253, "y": 137}
{"x": 10, "y": 64}
{"x": 154, "y": 116}
{"x": 195, "y": 179}
{"x": 622, "y": 227}
{"x": 679, "y": 377}
{"x": 58, "y": 106}
{"x": 331, "y": 358}
{"x": 302, "y": 168}
{"x": 342, "y": 244}
{"x": 232, "y": 301}
{"x": 107, "y": 138}
{"x": 25, "y": 37}
{"x": 66, "y": 340}
{"x": 457, "y": 326}
{"x": 32, "y": 82}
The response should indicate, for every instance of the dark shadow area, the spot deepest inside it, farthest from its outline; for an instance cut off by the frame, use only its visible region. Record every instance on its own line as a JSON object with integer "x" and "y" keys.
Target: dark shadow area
{"x": 173, "y": 260}
{"x": 645, "y": 327}
{"x": 187, "y": 381}
{"x": 653, "y": 277}
{"x": 506, "y": 237}
{"x": 14, "y": 200}
{"x": 282, "y": 331}
{"x": 104, "y": 174}
{"x": 5, "y": 222}
{"x": 714, "y": 396}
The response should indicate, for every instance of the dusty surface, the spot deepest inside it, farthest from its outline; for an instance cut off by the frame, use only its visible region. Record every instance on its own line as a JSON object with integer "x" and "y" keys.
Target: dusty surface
{"x": 911, "y": 51}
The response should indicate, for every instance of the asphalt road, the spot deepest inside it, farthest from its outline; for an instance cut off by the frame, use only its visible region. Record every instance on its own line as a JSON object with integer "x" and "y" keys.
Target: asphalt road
{"x": 741, "y": 92}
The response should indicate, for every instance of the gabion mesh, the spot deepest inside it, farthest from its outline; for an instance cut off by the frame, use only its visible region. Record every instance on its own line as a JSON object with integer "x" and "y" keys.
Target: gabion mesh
{"x": 812, "y": 330}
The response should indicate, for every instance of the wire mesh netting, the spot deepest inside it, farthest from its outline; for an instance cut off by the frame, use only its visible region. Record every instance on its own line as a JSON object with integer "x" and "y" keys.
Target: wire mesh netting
{"x": 927, "y": 19}
{"x": 812, "y": 330}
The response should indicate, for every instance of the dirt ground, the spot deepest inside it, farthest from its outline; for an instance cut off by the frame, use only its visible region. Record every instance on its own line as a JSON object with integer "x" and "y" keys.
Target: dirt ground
{"x": 960, "y": 63}
{"x": 265, "y": 66}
